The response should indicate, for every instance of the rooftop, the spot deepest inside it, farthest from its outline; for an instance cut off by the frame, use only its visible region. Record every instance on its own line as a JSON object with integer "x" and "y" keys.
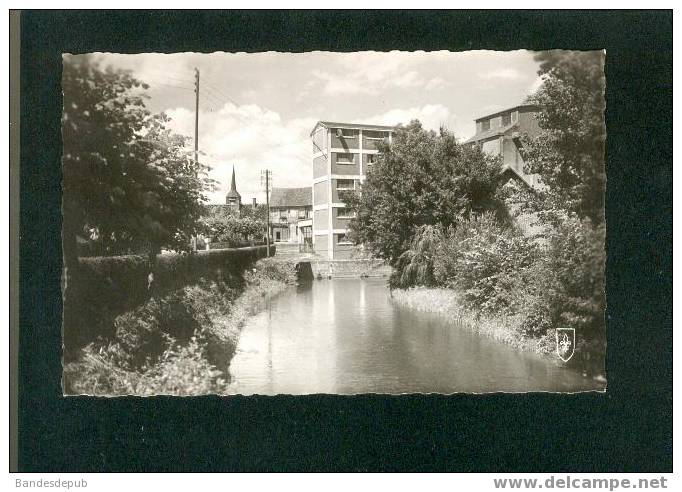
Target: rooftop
{"x": 291, "y": 197}
{"x": 531, "y": 107}
{"x": 492, "y": 132}
{"x": 353, "y": 126}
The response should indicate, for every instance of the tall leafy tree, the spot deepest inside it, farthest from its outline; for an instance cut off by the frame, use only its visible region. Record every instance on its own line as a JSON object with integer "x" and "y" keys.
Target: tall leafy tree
{"x": 568, "y": 155}
{"x": 568, "y": 152}
{"x": 126, "y": 178}
{"x": 421, "y": 178}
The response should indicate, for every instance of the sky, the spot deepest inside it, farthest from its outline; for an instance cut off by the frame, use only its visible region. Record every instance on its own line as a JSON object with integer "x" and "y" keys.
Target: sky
{"x": 256, "y": 110}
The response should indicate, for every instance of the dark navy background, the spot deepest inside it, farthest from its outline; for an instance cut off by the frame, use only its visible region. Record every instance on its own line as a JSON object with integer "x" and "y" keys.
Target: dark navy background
{"x": 627, "y": 429}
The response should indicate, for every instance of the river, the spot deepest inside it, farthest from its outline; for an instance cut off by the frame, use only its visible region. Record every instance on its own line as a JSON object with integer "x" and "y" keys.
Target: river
{"x": 345, "y": 336}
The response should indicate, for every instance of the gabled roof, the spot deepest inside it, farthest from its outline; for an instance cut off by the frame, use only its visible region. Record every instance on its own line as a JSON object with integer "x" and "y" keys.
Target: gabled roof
{"x": 352, "y": 126}
{"x": 493, "y": 132}
{"x": 530, "y": 107}
{"x": 291, "y": 197}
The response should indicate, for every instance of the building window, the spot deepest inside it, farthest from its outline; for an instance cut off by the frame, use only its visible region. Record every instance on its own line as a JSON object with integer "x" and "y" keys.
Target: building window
{"x": 344, "y": 213}
{"x": 374, "y": 135}
{"x": 345, "y": 184}
{"x": 342, "y": 239}
{"x": 485, "y": 125}
{"x": 345, "y": 159}
{"x": 372, "y": 158}
{"x": 345, "y": 133}
{"x": 506, "y": 119}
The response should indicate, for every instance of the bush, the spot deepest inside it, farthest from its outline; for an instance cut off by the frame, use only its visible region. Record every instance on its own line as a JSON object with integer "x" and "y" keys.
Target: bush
{"x": 416, "y": 265}
{"x": 100, "y": 288}
{"x": 569, "y": 282}
{"x": 225, "y": 227}
{"x": 273, "y": 269}
{"x": 180, "y": 343}
{"x": 487, "y": 262}
{"x": 185, "y": 371}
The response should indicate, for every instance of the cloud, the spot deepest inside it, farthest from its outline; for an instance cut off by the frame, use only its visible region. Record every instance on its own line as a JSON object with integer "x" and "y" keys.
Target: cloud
{"x": 432, "y": 116}
{"x": 502, "y": 74}
{"x": 370, "y": 72}
{"x": 537, "y": 83}
{"x": 435, "y": 84}
{"x": 251, "y": 139}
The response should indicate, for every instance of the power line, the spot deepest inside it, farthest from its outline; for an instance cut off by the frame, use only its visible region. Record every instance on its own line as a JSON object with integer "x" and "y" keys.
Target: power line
{"x": 215, "y": 95}
{"x": 236, "y": 103}
{"x": 221, "y": 93}
{"x": 216, "y": 103}
{"x": 153, "y": 83}
{"x": 184, "y": 77}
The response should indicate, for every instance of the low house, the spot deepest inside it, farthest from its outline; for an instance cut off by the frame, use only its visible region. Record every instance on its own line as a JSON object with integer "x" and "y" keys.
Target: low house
{"x": 291, "y": 216}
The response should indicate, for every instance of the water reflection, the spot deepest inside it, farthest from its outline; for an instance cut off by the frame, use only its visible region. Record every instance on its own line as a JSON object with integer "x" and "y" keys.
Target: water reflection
{"x": 346, "y": 336}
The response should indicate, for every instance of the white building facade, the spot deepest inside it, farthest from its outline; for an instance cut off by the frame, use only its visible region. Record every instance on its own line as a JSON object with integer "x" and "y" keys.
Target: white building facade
{"x": 342, "y": 153}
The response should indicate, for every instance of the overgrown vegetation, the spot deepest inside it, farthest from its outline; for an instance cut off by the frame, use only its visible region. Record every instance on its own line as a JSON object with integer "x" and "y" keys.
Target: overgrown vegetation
{"x": 223, "y": 226}
{"x": 503, "y": 281}
{"x": 437, "y": 211}
{"x": 130, "y": 184}
{"x": 422, "y": 178}
{"x": 181, "y": 343}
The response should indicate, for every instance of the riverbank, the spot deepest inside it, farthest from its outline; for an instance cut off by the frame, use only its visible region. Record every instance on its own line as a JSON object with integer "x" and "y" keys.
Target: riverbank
{"x": 507, "y": 330}
{"x": 179, "y": 344}
{"x": 502, "y": 329}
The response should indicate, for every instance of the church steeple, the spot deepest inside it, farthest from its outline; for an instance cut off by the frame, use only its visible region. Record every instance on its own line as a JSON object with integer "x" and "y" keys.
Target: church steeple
{"x": 233, "y": 198}
{"x": 233, "y": 186}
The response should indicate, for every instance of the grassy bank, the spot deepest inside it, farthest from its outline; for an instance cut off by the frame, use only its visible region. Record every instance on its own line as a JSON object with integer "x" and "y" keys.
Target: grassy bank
{"x": 502, "y": 329}
{"x": 181, "y": 343}
{"x": 505, "y": 329}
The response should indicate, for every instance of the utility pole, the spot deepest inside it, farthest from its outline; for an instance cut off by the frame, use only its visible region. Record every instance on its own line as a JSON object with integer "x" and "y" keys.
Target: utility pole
{"x": 267, "y": 173}
{"x": 196, "y": 116}
{"x": 196, "y": 143}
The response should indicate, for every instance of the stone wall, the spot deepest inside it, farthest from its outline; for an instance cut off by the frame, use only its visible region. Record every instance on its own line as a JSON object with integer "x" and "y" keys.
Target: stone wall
{"x": 350, "y": 268}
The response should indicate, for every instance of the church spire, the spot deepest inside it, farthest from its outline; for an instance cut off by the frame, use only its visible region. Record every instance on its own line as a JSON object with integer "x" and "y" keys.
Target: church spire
{"x": 233, "y": 197}
{"x": 233, "y": 186}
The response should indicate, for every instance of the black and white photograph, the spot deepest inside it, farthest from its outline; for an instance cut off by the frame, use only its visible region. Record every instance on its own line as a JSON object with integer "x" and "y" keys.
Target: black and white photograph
{"x": 409, "y": 245}
{"x": 321, "y": 222}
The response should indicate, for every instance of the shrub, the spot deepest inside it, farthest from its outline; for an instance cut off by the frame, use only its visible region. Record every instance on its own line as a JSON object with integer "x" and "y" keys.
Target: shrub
{"x": 487, "y": 262}
{"x": 183, "y": 371}
{"x": 569, "y": 283}
{"x": 100, "y": 288}
{"x": 179, "y": 343}
{"x": 416, "y": 265}
{"x": 225, "y": 227}
{"x": 273, "y": 269}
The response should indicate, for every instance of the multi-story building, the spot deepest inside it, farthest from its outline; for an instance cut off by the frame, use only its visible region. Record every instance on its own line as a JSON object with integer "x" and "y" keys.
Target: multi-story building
{"x": 291, "y": 211}
{"x": 499, "y": 134}
{"x": 342, "y": 153}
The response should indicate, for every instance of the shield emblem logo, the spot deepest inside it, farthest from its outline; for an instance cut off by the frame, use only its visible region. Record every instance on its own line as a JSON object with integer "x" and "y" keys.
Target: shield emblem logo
{"x": 565, "y": 343}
